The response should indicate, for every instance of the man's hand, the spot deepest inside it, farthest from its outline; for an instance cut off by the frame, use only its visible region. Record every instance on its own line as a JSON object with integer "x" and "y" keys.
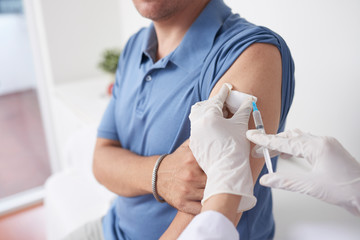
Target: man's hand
{"x": 181, "y": 181}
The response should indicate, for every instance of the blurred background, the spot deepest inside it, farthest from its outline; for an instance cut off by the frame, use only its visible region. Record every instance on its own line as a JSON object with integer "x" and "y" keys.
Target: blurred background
{"x": 53, "y": 94}
{"x": 22, "y": 139}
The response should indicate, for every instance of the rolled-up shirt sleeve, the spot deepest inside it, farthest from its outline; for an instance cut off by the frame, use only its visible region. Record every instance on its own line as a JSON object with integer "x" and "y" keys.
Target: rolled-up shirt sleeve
{"x": 107, "y": 127}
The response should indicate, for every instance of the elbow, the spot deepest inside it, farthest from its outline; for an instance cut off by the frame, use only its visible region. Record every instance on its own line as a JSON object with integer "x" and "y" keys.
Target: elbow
{"x": 96, "y": 167}
{"x": 102, "y": 176}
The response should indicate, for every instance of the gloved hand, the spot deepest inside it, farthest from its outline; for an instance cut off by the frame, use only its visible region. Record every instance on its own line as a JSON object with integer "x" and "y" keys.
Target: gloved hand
{"x": 335, "y": 174}
{"x": 221, "y": 148}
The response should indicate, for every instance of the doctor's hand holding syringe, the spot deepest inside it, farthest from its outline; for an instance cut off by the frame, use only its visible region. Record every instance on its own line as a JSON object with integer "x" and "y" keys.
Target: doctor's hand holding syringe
{"x": 334, "y": 175}
{"x": 222, "y": 150}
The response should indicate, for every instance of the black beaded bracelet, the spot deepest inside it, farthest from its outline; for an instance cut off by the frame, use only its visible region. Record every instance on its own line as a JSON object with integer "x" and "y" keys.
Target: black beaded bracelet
{"x": 154, "y": 178}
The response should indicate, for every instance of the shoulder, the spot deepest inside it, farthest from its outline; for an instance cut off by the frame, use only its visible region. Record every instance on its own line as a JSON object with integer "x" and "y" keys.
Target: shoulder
{"x": 242, "y": 46}
{"x": 234, "y": 37}
{"x": 237, "y": 34}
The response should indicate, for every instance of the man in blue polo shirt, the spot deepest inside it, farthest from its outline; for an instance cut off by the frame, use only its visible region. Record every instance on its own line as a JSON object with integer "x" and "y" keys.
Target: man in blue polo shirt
{"x": 184, "y": 56}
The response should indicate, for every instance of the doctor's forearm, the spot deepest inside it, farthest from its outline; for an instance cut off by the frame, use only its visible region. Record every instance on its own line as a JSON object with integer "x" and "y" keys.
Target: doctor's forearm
{"x": 226, "y": 204}
{"x": 178, "y": 225}
{"x": 122, "y": 171}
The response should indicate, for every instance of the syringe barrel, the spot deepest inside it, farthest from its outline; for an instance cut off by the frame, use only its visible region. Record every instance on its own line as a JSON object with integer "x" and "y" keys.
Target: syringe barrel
{"x": 258, "y": 121}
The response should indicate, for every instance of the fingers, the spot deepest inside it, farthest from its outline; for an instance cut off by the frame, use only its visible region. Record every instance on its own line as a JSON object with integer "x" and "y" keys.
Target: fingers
{"x": 221, "y": 96}
{"x": 353, "y": 208}
{"x": 216, "y": 103}
{"x": 243, "y": 113}
{"x": 192, "y": 207}
{"x": 257, "y": 152}
{"x": 287, "y": 142}
{"x": 188, "y": 200}
{"x": 293, "y": 183}
{"x": 285, "y": 156}
{"x": 270, "y": 180}
{"x": 195, "y": 194}
{"x": 213, "y": 105}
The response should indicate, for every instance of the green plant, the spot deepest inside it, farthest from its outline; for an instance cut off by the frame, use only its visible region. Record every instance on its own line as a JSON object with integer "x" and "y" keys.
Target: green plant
{"x": 110, "y": 60}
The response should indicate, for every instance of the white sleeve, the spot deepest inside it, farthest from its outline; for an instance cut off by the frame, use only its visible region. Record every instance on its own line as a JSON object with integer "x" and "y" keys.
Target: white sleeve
{"x": 210, "y": 225}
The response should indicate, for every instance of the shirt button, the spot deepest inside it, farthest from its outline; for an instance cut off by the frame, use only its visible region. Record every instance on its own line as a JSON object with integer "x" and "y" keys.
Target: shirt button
{"x": 148, "y": 78}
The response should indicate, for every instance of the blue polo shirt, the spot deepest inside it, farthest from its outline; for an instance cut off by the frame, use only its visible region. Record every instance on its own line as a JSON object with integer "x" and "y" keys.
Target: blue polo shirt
{"x": 151, "y": 102}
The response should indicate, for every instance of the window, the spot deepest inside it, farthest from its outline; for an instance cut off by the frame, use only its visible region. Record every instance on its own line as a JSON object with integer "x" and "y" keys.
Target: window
{"x": 24, "y": 160}
{"x": 11, "y": 6}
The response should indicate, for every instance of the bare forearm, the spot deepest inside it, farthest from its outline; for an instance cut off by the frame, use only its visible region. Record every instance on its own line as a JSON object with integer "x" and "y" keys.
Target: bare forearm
{"x": 226, "y": 204}
{"x": 122, "y": 171}
{"x": 178, "y": 225}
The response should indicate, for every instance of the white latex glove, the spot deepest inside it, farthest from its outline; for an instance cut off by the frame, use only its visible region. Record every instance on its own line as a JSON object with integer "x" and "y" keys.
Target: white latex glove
{"x": 221, "y": 148}
{"x": 335, "y": 174}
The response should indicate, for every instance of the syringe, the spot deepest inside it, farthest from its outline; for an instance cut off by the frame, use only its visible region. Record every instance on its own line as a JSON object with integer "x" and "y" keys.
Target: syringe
{"x": 260, "y": 126}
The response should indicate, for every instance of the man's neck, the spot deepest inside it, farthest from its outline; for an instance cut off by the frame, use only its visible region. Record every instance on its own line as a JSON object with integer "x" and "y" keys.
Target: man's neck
{"x": 171, "y": 31}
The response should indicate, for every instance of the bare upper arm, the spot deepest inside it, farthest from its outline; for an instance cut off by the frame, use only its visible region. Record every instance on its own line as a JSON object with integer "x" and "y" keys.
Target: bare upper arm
{"x": 257, "y": 71}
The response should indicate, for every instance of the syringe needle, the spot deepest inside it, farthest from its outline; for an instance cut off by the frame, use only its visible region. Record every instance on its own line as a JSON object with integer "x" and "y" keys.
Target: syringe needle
{"x": 260, "y": 126}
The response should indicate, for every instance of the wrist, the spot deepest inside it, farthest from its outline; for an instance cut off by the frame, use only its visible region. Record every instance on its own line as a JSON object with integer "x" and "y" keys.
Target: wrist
{"x": 224, "y": 203}
{"x": 148, "y": 163}
{"x": 163, "y": 176}
{"x": 155, "y": 177}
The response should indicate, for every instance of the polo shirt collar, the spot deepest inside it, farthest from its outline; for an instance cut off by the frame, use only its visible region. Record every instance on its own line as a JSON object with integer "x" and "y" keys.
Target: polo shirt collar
{"x": 197, "y": 41}
{"x": 200, "y": 37}
{"x": 149, "y": 46}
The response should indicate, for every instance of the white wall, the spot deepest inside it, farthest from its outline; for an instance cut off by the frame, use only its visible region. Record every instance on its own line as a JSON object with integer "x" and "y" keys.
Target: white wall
{"x": 77, "y": 33}
{"x": 16, "y": 66}
{"x": 68, "y": 39}
{"x": 324, "y": 37}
